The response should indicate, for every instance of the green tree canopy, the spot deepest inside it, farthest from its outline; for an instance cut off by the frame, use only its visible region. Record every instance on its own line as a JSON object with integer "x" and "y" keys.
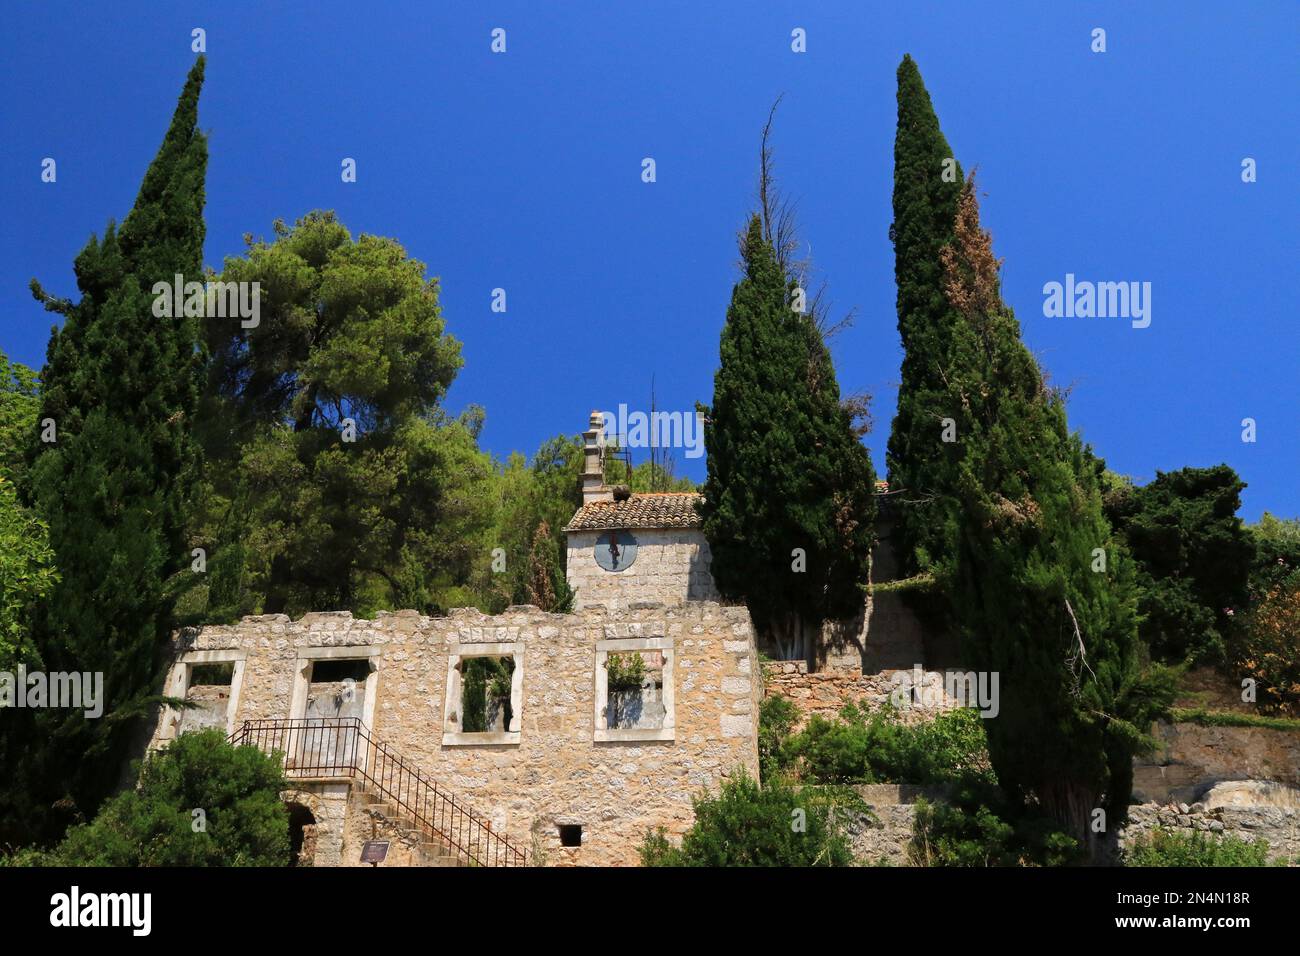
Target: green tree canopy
{"x": 788, "y": 507}
{"x": 927, "y": 185}
{"x": 121, "y": 385}
{"x": 337, "y": 481}
{"x": 26, "y": 577}
{"x": 1035, "y": 601}
{"x": 1193, "y": 557}
{"x": 19, "y": 406}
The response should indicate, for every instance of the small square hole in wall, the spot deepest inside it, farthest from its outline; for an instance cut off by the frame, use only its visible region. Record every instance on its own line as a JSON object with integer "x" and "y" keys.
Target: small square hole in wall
{"x": 571, "y": 834}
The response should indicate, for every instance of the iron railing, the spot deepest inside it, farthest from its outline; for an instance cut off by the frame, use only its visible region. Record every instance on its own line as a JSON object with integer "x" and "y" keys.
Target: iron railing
{"x": 344, "y": 747}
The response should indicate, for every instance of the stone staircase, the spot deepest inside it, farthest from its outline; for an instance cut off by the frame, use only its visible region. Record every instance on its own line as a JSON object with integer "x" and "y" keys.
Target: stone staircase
{"x": 418, "y": 815}
{"x": 408, "y": 842}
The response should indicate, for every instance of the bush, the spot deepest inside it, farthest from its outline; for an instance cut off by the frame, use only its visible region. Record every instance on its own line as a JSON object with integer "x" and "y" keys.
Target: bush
{"x": 876, "y": 747}
{"x": 980, "y": 828}
{"x": 1171, "y": 848}
{"x": 749, "y": 825}
{"x": 1269, "y": 649}
{"x": 776, "y": 719}
{"x": 243, "y": 823}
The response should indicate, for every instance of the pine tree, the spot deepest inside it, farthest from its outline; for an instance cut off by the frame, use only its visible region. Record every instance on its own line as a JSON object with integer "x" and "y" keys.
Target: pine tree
{"x": 1043, "y": 590}
{"x": 121, "y": 385}
{"x": 788, "y": 507}
{"x": 927, "y": 184}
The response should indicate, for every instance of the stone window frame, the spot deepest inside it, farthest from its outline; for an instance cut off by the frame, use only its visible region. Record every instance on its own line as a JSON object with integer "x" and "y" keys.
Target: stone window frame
{"x": 307, "y": 656}
{"x": 452, "y": 735}
{"x": 602, "y": 732}
{"x": 178, "y": 685}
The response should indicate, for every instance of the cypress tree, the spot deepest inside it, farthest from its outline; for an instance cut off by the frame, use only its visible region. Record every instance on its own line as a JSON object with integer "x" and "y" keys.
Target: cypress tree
{"x": 927, "y": 184}
{"x": 788, "y": 507}
{"x": 121, "y": 385}
{"x": 1043, "y": 590}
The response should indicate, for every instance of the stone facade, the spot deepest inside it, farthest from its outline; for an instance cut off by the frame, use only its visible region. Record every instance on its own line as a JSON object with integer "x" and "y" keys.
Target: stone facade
{"x": 671, "y": 566}
{"x": 557, "y": 773}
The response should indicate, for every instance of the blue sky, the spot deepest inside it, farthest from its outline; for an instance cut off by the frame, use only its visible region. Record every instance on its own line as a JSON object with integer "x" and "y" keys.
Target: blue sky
{"x": 522, "y": 171}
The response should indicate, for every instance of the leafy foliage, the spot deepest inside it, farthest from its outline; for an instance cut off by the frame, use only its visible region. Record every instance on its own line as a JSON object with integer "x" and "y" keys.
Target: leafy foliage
{"x": 116, "y": 487}
{"x": 1033, "y": 603}
{"x": 980, "y": 827}
{"x": 925, "y": 209}
{"x": 485, "y": 679}
{"x": 777, "y": 718}
{"x": 785, "y": 469}
{"x": 749, "y": 825}
{"x": 1269, "y": 649}
{"x": 19, "y": 406}
{"x": 1171, "y": 848}
{"x": 350, "y": 334}
{"x": 1194, "y": 557}
{"x": 866, "y": 746}
{"x": 624, "y": 671}
{"x": 26, "y": 577}
{"x": 237, "y": 788}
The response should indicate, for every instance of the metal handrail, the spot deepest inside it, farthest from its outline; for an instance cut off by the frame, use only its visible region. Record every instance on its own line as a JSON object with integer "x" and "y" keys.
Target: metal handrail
{"x": 344, "y": 747}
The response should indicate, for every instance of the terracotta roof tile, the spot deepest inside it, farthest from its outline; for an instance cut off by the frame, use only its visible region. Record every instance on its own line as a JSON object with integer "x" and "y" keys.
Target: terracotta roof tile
{"x": 674, "y": 509}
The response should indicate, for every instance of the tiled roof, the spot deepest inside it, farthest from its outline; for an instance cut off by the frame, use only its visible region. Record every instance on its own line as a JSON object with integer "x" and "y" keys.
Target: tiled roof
{"x": 674, "y": 509}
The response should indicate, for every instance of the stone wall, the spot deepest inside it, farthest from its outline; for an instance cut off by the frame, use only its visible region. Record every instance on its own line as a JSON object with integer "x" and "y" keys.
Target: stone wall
{"x": 328, "y": 803}
{"x": 556, "y": 773}
{"x": 1248, "y": 810}
{"x": 1192, "y": 758}
{"x": 671, "y": 566}
{"x": 824, "y": 693}
{"x": 884, "y": 838}
{"x": 1268, "y": 813}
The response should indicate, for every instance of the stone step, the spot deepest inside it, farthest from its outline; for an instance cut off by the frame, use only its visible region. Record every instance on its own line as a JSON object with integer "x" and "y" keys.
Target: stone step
{"x": 435, "y": 851}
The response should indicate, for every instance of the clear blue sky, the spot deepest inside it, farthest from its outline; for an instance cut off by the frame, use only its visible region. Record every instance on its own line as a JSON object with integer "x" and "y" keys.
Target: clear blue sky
{"x": 522, "y": 171}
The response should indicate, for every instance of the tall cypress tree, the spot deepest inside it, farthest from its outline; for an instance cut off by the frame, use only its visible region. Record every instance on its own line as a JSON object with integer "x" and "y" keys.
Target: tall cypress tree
{"x": 927, "y": 184}
{"x": 121, "y": 386}
{"x": 788, "y": 507}
{"x": 1043, "y": 591}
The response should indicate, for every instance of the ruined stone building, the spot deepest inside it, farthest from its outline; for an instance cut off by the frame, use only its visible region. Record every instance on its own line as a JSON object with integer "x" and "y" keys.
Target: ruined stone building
{"x": 524, "y": 737}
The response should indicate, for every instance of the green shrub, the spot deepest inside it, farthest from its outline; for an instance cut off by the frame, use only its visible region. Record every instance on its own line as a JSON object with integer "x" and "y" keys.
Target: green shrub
{"x": 243, "y": 823}
{"x": 749, "y": 825}
{"x": 981, "y": 828}
{"x": 876, "y": 747}
{"x": 1172, "y": 848}
{"x": 776, "y": 719}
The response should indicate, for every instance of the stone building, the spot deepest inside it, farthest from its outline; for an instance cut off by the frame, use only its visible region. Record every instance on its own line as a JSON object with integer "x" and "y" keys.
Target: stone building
{"x": 625, "y": 548}
{"x": 374, "y": 718}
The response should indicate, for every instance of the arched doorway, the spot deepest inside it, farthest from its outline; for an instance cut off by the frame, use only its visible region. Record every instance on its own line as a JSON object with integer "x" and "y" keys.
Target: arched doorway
{"x": 302, "y": 835}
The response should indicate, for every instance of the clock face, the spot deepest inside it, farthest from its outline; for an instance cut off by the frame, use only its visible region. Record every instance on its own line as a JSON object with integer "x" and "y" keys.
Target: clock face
{"x": 615, "y": 550}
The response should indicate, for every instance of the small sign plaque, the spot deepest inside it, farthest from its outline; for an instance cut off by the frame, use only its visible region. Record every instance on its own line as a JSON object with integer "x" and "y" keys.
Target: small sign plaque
{"x": 374, "y": 851}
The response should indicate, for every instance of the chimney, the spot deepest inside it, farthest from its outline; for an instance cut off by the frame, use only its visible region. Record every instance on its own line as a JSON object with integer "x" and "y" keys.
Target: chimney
{"x": 593, "y": 475}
